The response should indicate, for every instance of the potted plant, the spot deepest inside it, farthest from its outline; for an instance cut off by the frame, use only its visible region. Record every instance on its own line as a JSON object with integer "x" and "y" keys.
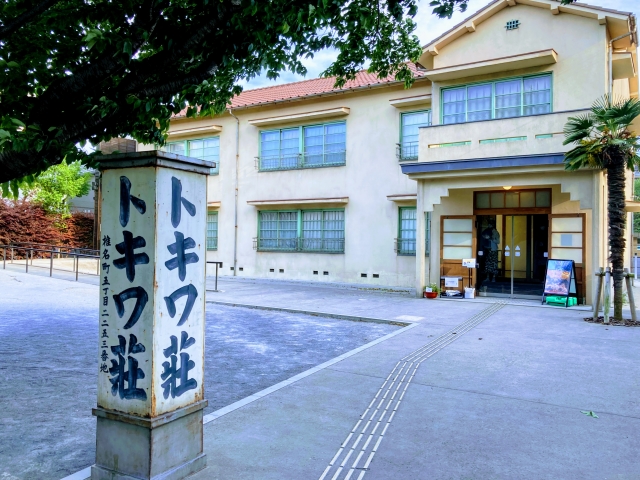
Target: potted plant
{"x": 431, "y": 291}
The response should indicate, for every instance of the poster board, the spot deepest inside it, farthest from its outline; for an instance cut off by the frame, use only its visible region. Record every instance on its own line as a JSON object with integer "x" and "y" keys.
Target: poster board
{"x": 560, "y": 279}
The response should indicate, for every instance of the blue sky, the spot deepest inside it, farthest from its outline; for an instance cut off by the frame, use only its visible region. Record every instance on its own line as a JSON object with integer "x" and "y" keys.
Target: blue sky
{"x": 429, "y": 27}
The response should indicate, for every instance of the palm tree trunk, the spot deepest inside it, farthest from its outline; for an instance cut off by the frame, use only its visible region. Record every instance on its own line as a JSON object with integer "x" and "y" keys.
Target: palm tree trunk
{"x": 617, "y": 220}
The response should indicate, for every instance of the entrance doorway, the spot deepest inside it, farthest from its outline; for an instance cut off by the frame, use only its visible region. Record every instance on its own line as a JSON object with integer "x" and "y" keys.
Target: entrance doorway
{"x": 512, "y": 254}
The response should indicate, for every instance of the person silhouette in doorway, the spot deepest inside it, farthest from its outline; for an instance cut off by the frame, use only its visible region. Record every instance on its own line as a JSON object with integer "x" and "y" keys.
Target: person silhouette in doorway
{"x": 491, "y": 246}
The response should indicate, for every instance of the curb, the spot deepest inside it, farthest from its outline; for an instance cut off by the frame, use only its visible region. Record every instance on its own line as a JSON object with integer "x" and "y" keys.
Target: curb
{"x": 353, "y": 318}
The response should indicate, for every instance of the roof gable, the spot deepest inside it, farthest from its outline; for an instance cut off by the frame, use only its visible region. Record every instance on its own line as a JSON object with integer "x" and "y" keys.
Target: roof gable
{"x": 617, "y": 22}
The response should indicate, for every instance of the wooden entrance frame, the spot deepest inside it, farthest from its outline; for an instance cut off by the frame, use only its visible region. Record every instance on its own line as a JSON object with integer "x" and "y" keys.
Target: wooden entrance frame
{"x": 454, "y": 268}
{"x": 578, "y": 267}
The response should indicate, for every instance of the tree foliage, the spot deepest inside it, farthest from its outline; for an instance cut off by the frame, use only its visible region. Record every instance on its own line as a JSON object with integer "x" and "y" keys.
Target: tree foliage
{"x": 56, "y": 186}
{"x": 604, "y": 140}
{"x": 72, "y": 71}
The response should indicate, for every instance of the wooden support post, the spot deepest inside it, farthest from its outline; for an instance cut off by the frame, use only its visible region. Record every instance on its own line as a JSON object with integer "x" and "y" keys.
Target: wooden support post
{"x": 632, "y": 304}
{"x": 596, "y": 305}
{"x": 607, "y": 294}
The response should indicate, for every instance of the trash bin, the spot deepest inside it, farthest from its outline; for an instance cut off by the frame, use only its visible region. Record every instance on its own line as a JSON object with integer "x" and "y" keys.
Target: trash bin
{"x": 469, "y": 292}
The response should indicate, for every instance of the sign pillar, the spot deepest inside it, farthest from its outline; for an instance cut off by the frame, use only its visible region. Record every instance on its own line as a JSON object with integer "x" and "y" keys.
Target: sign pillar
{"x": 151, "y": 329}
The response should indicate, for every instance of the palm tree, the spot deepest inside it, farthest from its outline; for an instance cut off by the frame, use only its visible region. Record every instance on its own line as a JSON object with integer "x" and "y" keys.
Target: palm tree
{"x": 603, "y": 141}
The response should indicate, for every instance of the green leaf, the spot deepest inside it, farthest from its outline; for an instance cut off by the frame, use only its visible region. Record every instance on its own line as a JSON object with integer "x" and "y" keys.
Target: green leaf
{"x": 589, "y": 413}
{"x": 17, "y": 122}
{"x": 127, "y": 47}
{"x": 13, "y": 64}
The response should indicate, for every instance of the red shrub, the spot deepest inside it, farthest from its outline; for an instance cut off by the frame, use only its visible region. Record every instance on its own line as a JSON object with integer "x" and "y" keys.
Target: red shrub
{"x": 23, "y": 221}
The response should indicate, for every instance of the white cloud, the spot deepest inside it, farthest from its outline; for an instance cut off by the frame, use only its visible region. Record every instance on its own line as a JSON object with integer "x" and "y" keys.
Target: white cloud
{"x": 429, "y": 27}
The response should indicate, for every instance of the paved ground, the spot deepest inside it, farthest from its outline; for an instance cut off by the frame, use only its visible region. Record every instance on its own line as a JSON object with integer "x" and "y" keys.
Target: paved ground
{"x": 48, "y": 366}
{"x": 504, "y": 400}
{"x": 472, "y": 390}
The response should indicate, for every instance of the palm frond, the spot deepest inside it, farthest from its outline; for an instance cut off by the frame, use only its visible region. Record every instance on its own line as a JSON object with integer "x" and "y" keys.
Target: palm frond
{"x": 585, "y": 155}
{"x": 618, "y": 113}
{"x": 578, "y": 128}
{"x": 601, "y": 133}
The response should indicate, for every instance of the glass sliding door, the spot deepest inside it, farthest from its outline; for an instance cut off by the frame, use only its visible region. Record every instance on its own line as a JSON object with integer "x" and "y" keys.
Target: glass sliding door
{"x": 512, "y": 252}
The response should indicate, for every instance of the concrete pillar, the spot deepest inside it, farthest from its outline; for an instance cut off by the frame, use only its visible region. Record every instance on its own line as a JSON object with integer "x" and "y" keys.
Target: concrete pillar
{"x": 152, "y": 297}
{"x": 421, "y": 258}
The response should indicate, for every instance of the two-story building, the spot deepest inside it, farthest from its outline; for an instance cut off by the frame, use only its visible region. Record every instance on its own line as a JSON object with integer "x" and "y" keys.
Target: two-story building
{"x": 378, "y": 185}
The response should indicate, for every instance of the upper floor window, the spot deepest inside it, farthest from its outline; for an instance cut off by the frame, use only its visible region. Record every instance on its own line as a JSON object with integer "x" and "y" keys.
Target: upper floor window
{"x": 409, "y": 129}
{"x": 303, "y": 147}
{"x": 499, "y": 99}
{"x": 203, "y": 148}
{"x": 301, "y": 231}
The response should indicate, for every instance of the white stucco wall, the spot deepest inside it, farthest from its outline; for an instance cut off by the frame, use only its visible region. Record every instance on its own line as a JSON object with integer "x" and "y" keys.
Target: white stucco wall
{"x": 371, "y": 173}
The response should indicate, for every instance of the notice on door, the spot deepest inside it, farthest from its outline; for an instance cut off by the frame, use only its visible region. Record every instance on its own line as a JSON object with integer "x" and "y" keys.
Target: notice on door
{"x": 469, "y": 262}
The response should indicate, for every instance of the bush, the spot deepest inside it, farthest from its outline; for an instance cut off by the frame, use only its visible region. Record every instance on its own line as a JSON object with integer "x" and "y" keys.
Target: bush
{"x": 24, "y": 221}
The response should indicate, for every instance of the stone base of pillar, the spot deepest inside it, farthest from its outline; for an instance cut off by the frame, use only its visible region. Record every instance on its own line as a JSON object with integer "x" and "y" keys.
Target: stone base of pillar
{"x": 168, "y": 447}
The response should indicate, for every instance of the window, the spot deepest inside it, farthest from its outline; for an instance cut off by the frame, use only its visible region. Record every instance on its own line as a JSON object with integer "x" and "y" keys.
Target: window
{"x": 303, "y": 147}
{"x": 279, "y": 149}
{"x": 407, "y": 231}
{"x": 178, "y": 148}
{"x": 323, "y": 231}
{"x": 457, "y": 238}
{"x": 212, "y": 230}
{"x": 301, "y": 230}
{"x": 407, "y": 226}
{"x": 513, "y": 199}
{"x": 512, "y": 24}
{"x": 500, "y": 99}
{"x": 409, "y": 131}
{"x": 204, "y": 149}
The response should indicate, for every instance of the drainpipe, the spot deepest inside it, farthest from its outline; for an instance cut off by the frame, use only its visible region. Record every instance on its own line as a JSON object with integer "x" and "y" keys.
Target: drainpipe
{"x": 631, "y": 33}
{"x": 235, "y": 205}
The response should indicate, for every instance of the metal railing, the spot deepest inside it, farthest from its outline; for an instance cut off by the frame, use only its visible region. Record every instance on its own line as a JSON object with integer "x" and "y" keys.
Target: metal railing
{"x": 300, "y": 160}
{"x": 52, "y": 251}
{"x": 407, "y": 151}
{"x": 404, "y": 246}
{"x": 218, "y": 264}
{"x": 308, "y": 245}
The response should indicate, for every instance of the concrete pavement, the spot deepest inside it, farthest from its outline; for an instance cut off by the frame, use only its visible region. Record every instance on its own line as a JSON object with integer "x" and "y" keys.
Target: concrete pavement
{"x": 504, "y": 400}
{"x": 485, "y": 391}
{"x": 49, "y": 366}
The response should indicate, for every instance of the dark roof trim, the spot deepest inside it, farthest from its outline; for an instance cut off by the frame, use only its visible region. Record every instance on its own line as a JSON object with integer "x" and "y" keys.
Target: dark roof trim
{"x": 482, "y": 163}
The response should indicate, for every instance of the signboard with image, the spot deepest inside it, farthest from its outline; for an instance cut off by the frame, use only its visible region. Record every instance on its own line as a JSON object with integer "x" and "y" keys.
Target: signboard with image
{"x": 560, "y": 279}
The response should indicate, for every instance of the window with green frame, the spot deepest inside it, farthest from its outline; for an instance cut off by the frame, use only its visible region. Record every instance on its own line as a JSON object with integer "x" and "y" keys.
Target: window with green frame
{"x": 407, "y": 226}
{"x": 410, "y": 124}
{"x": 212, "y": 230}
{"x": 514, "y": 97}
{"x": 322, "y": 145}
{"x": 301, "y": 231}
{"x": 202, "y": 148}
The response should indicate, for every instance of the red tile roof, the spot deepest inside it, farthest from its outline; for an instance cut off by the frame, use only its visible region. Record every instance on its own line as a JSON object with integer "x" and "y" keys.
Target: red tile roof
{"x": 307, "y": 88}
